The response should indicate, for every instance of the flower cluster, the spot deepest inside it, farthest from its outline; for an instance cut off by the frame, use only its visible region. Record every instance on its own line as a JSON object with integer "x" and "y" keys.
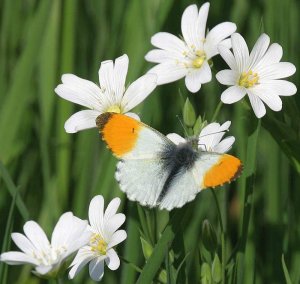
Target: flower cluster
{"x": 94, "y": 242}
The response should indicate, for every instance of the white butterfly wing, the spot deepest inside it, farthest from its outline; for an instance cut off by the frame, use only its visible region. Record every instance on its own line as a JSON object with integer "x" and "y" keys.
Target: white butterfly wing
{"x": 141, "y": 180}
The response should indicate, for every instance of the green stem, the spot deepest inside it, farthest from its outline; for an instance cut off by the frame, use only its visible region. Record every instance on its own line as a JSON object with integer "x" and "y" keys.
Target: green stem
{"x": 135, "y": 267}
{"x": 222, "y": 235}
{"x": 214, "y": 117}
{"x": 218, "y": 209}
{"x": 223, "y": 257}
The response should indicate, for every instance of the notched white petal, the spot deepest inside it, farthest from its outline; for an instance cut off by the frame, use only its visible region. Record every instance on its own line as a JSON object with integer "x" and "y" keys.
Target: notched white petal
{"x": 96, "y": 213}
{"x": 96, "y": 269}
{"x": 79, "y": 91}
{"x": 257, "y": 105}
{"x": 168, "y": 72}
{"x": 112, "y": 260}
{"x": 36, "y": 235}
{"x": 240, "y": 51}
{"x": 193, "y": 81}
{"x": 189, "y": 26}
{"x": 81, "y": 120}
{"x": 227, "y": 77}
{"x": 225, "y": 145}
{"x": 138, "y": 91}
{"x": 216, "y": 36}
{"x": 17, "y": 258}
{"x": 118, "y": 237}
{"x": 120, "y": 73}
{"x": 233, "y": 94}
{"x": 168, "y": 42}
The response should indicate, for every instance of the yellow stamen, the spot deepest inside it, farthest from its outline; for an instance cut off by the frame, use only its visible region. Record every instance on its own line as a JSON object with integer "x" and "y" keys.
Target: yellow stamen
{"x": 248, "y": 79}
{"x": 199, "y": 60}
{"x": 97, "y": 244}
{"x": 114, "y": 108}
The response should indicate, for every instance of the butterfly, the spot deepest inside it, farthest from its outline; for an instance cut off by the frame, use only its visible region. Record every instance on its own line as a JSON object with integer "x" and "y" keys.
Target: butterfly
{"x": 155, "y": 171}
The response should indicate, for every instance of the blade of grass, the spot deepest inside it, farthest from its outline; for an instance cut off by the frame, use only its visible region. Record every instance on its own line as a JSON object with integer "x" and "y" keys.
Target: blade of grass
{"x": 6, "y": 241}
{"x": 14, "y": 106}
{"x": 65, "y": 108}
{"x": 13, "y": 191}
{"x": 132, "y": 250}
{"x": 154, "y": 262}
{"x": 249, "y": 176}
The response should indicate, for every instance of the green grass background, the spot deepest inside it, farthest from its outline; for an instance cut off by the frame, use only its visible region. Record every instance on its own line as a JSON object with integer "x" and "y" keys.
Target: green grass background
{"x": 45, "y": 171}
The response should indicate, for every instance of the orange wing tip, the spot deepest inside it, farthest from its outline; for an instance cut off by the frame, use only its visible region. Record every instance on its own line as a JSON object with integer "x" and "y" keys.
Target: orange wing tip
{"x": 120, "y": 132}
{"x": 226, "y": 170}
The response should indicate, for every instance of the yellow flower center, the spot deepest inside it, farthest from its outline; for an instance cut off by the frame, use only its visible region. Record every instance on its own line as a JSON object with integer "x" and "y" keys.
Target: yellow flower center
{"x": 248, "y": 79}
{"x": 199, "y": 60}
{"x": 114, "y": 108}
{"x": 97, "y": 244}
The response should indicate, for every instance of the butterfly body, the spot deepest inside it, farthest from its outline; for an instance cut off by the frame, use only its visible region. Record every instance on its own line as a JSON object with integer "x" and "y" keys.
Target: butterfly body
{"x": 155, "y": 171}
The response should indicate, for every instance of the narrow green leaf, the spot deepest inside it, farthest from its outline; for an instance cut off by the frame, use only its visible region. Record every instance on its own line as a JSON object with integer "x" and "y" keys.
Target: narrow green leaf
{"x": 285, "y": 270}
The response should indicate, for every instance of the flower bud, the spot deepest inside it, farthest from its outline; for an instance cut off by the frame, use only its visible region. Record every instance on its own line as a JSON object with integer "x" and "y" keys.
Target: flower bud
{"x": 147, "y": 248}
{"x": 216, "y": 270}
{"x": 189, "y": 115}
{"x": 206, "y": 274}
{"x": 209, "y": 237}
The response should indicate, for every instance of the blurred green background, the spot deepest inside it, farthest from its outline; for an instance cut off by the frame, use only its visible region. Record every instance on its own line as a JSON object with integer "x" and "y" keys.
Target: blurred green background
{"x": 55, "y": 172}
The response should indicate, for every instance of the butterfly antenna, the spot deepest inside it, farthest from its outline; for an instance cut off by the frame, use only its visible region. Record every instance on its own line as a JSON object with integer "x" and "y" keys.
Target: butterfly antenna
{"x": 212, "y": 133}
{"x": 184, "y": 129}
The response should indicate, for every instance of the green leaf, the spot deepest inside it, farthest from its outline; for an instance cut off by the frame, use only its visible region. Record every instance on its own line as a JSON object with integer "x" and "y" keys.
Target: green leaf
{"x": 286, "y": 137}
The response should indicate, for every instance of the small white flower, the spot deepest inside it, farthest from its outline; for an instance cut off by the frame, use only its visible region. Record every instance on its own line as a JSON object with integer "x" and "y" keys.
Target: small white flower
{"x": 105, "y": 235}
{"x": 70, "y": 234}
{"x": 111, "y": 96}
{"x": 210, "y": 138}
{"x": 256, "y": 74}
{"x": 188, "y": 57}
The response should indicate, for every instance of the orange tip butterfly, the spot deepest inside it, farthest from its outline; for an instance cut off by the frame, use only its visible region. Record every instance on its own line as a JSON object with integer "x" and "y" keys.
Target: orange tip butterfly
{"x": 156, "y": 172}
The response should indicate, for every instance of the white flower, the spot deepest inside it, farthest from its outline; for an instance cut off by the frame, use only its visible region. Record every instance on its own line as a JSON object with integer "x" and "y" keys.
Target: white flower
{"x": 105, "y": 235}
{"x": 70, "y": 234}
{"x": 210, "y": 138}
{"x": 188, "y": 57}
{"x": 256, "y": 74}
{"x": 111, "y": 96}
